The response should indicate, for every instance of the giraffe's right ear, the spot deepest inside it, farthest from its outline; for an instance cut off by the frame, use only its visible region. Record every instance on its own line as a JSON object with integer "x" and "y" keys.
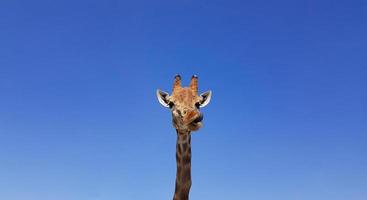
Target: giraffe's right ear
{"x": 163, "y": 98}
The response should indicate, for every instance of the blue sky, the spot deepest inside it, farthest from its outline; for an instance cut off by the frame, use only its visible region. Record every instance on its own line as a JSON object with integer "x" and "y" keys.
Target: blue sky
{"x": 79, "y": 119}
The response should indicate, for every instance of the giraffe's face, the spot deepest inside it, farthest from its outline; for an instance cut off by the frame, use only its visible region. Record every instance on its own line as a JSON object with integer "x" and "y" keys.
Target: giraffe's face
{"x": 185, "y": 105}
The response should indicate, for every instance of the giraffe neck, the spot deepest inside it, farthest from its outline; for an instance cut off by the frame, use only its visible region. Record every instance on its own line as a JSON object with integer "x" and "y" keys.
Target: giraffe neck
{"x": 183, "y": 159}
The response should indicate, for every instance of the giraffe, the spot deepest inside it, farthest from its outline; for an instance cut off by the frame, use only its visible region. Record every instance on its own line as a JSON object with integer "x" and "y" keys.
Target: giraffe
{"x": 185, "y": 104}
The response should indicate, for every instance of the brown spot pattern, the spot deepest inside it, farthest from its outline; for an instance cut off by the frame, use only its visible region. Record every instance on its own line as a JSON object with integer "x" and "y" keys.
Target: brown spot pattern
{"x": 183, "y": 159}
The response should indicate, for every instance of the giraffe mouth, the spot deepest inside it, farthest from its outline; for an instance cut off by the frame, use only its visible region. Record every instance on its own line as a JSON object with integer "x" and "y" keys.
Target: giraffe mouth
{"x": 198, "y": 119}
{"x": 196, "y": 123}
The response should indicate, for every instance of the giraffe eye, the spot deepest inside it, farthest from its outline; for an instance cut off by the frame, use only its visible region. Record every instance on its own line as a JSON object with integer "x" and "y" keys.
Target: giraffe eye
{"x": 197, "y": 104}
{"x": 170, "y": 104}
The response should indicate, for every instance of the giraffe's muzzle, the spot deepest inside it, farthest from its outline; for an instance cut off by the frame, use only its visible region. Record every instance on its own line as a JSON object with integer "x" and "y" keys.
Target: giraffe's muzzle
{"x": 199, "y": 119}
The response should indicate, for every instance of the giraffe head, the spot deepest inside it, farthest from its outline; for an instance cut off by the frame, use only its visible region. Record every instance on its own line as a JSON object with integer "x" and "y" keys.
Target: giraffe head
{"x": 185, "y": 104}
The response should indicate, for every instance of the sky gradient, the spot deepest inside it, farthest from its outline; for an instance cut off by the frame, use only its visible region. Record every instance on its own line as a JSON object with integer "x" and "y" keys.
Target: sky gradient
{"x": 79, "y": 119}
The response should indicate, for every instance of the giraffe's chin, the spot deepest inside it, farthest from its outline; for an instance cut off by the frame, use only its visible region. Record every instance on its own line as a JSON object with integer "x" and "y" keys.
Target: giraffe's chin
{"x": 194, "y": 126}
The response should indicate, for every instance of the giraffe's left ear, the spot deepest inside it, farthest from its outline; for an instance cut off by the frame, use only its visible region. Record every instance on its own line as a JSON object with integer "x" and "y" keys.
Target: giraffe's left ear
{"x": 205, "y": 98}
{"x": 163, "y": 98}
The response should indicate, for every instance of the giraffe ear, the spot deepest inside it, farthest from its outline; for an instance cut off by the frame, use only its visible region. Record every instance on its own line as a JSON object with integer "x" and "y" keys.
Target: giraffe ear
{"x": 163, "y": 98}
{"x": 205, "y": 98}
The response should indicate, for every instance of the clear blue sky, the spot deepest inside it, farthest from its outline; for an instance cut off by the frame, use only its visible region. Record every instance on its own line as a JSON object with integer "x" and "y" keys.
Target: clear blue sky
{"x": 79, "y": 119}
